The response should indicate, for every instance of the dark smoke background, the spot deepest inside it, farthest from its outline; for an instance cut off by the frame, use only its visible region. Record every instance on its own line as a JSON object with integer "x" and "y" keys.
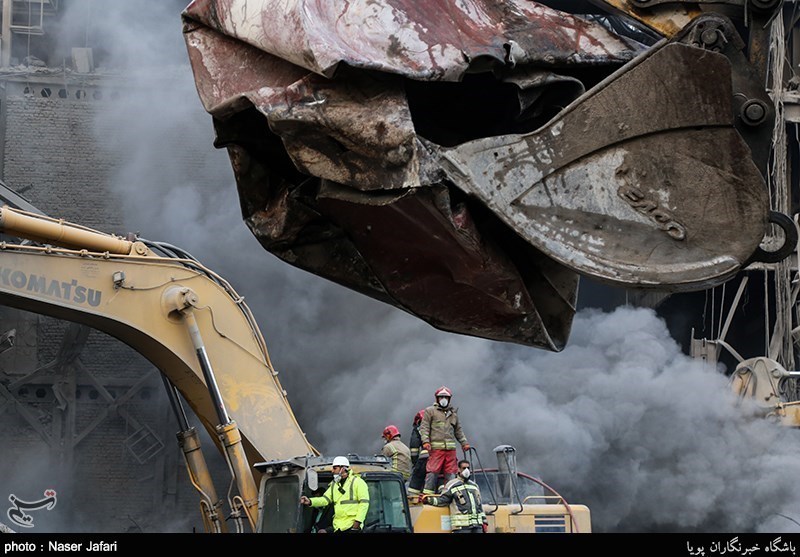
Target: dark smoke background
{"x": 621, "y": 420}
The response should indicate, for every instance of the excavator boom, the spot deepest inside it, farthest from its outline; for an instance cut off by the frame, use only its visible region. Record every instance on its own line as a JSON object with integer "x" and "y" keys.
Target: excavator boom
{"x": 131, "y": 295}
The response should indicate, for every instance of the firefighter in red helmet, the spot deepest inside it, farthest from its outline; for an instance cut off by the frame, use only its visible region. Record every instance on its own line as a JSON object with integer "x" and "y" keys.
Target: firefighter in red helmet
{"x": 440, "y": 432}
{"x": 398, "y": 452}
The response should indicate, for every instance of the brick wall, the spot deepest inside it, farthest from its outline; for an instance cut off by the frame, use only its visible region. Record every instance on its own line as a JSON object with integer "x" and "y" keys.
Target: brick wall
{"x": 57, "y": 426}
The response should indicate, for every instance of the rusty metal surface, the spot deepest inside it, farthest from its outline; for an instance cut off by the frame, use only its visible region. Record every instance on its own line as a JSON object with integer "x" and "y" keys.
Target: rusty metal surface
{"x": 421, "y": 40}
{"x": 336, "y": 115}
{"x": 467, "y": 283}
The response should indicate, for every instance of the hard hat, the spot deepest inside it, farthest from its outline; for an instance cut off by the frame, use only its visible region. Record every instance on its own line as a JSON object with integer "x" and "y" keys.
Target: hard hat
{"x": 390, "y": 432}
{"x": 443, "y": 391}
{"x": 341, "y": 461}
{"x": 418, "y": 417}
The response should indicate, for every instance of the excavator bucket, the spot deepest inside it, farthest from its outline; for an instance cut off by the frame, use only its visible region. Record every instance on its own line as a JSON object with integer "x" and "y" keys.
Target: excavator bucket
{"x": 643, "y": 181}
{"x": 467, "y": 162}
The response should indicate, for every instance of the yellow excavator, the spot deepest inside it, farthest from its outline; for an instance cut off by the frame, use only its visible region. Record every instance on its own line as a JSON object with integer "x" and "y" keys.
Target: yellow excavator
{"x": 761, "y": 383}
{"x": 191, "y": 324}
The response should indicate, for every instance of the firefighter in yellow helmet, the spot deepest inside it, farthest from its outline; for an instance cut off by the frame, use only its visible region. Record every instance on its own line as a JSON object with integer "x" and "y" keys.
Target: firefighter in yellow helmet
{"x": 349, "y": 495}
{"x": 440, "y": 432}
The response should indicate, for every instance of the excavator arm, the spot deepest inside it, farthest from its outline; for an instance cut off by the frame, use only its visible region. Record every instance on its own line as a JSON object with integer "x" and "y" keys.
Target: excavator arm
{"x": 468, "y": 162}
{"x": 186, "y": 320}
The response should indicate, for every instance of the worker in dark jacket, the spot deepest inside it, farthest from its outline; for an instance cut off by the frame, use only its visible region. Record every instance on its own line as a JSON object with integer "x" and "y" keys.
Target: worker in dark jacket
{"x": 464, "y": 498}
{"x": 440, "y": 431}
{"x": 419, "y": 459}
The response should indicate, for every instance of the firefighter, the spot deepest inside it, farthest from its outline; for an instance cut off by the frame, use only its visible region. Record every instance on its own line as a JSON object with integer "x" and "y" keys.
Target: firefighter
{"x": 464, "y": 498}
{"x": 440, "y": 431}
{"x": 349, "y": 495}
{"x": 419, "y": 459}
{"x": 397, "y": 451}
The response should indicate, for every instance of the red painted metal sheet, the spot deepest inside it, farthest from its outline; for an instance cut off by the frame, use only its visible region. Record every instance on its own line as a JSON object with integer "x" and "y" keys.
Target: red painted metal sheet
{"x": 430, "y": 40}
{"x": 336, "y": 116}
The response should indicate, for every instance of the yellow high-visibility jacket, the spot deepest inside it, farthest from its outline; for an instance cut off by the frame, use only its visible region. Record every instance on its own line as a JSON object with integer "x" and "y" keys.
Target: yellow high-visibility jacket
{"x": 350, "y": 500}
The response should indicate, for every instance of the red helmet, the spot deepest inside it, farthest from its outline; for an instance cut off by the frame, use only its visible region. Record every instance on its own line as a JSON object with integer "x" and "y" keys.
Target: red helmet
{"x": 442, "y": 391}
{"x": 418, "y": 417}
{"x": 390, "y": 432}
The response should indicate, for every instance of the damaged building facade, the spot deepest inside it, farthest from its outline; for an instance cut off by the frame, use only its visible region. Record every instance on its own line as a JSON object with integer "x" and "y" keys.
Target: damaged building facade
{"x": 82, "y": 414}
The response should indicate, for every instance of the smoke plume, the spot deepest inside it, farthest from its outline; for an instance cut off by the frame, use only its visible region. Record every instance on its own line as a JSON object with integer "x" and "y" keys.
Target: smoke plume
{"x": 621, "y": 420}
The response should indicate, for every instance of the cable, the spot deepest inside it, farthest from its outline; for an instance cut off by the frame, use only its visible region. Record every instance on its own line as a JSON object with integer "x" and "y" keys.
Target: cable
{"x": 787, "y": 518}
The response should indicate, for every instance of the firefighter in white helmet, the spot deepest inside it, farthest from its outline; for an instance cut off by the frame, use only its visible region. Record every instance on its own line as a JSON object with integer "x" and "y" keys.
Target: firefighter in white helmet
{"x": 440, "y": 431}
{"x": 349, "y": 495}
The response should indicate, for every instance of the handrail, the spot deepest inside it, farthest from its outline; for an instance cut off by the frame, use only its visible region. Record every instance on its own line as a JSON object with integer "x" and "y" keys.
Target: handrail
{"x": 488, "y": 483}
{"x": 564, "y": 502}
{"x": 542, "y": 497}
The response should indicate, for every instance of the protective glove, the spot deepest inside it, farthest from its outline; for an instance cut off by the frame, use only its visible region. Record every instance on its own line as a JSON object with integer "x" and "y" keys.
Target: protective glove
{"x": 426, "y": 446}
{"x": 485, "y": 527}
{"x": 466, "y": 447}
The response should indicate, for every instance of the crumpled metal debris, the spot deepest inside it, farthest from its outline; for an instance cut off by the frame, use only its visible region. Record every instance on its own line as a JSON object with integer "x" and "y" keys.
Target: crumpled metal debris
{"x": 405, "y": 150}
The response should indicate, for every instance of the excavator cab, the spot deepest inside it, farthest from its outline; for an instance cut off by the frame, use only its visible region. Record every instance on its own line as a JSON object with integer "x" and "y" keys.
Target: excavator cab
{"x": 284, "y": 481}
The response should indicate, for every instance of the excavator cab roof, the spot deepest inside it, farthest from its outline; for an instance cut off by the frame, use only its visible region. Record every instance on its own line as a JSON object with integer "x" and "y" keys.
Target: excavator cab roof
{"x": 322, "y": 463}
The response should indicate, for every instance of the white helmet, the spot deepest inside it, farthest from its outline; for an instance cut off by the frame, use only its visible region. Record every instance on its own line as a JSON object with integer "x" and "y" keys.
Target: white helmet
{"x": 341, "y": 461}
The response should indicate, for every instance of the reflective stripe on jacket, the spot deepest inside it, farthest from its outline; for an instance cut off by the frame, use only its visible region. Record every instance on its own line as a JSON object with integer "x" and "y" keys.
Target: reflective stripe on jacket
{"x": 464, "y": 499}
{"x": 400, "y": 456}
{"x": 441, "y": 428}
{"x": 350, "y": 500}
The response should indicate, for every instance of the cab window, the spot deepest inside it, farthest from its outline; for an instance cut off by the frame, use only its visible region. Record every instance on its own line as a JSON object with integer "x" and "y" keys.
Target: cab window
{"x": 387, "y": 507}
{"x": 496, "y": 488}
{"x": 281, "y": 496}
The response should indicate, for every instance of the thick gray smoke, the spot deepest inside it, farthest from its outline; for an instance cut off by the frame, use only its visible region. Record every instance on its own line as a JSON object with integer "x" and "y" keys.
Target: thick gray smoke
{"x": 26, "y": 474}
{"x": 621, "y": 420}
